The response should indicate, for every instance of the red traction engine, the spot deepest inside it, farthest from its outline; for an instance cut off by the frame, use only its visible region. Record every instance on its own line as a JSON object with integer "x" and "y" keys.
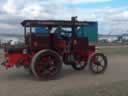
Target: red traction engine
{"x": 51, "y": 43}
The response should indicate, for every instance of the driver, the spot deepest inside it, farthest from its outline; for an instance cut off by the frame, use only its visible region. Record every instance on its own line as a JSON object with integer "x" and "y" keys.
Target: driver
{"x": 65, "y": 34}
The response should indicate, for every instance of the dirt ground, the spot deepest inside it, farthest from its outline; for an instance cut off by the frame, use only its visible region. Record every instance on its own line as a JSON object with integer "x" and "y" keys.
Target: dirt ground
{"x": 17, "y": 82}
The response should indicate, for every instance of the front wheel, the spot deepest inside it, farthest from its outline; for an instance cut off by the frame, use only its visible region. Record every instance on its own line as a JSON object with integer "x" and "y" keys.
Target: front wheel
{"x": 98, "y": 63}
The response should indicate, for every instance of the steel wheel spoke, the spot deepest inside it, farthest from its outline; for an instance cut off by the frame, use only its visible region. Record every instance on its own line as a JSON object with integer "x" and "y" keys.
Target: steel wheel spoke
{"x": 49, "y": 65}
{"x": 94, "y": 66}
{"x": 97, "y": 67}
{"x": 101, "y": 60}
{"x": 101, "y": 65}
{"x": 97, "y": 57}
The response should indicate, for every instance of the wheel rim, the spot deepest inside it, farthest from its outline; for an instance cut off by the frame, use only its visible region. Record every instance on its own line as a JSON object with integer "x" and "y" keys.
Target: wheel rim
{"x": 46, "y": 66}
{"x": 98, "y": 63}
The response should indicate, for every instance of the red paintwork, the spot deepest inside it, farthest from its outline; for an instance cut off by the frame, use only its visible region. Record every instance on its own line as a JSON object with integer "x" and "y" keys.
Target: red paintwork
{"x": 12, "y": 59}
{"x": 80, "y": 48}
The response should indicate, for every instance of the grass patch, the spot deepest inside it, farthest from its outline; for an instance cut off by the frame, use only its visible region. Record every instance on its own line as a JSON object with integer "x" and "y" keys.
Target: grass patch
{"x": 114, "y": 89}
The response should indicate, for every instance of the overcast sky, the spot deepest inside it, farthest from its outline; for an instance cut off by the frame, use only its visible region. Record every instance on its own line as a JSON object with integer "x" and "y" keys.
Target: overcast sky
{"x": 112, "y": 15}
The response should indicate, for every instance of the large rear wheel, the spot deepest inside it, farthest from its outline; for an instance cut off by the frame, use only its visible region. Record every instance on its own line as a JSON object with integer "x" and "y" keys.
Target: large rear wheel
{"x": 46, "y": 65}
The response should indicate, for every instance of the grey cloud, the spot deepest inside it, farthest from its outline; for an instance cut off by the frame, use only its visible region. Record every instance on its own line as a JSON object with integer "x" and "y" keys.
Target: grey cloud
{"x": 12, "y": 20}
{"x": 51, "y": 9}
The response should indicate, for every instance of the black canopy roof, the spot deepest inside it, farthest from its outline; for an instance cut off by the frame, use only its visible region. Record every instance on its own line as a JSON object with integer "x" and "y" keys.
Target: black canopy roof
{"x": 54, "y": 23}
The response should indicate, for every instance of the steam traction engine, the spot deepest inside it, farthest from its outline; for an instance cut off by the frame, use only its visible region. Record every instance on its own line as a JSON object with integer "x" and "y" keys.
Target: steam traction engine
{"x": 51, "y": 43}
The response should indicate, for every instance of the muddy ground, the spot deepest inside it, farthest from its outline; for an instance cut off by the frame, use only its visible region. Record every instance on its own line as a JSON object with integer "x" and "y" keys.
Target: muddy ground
{"x": 17, "y": 82}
